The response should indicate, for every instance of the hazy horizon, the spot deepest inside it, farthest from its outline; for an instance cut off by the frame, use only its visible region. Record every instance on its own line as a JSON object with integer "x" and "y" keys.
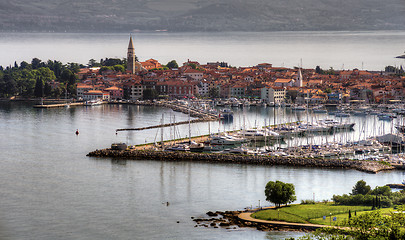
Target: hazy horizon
{"x": 200, "y": 16}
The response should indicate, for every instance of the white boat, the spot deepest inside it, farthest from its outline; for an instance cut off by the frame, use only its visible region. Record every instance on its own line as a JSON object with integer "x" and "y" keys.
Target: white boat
{"x": 226, "y": 114}
{"x": 319, "y": 109}
{"x": 93, "y": 102}
{"x": 314, "y": 128}
{"x": 342, "y": 114}
{"x": 225, "y": 140}
{"x": 259, "y": 135}
{"x": 335, "y": 124}
{"x": 179, "y": 147}
{"x": 386, "y": 117}
{"x": 298, "y": 108}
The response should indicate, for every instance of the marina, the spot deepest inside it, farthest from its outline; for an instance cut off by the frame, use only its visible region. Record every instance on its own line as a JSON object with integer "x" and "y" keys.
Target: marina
{"x": 191, "y": 187}
{"x": 270, "y": 140}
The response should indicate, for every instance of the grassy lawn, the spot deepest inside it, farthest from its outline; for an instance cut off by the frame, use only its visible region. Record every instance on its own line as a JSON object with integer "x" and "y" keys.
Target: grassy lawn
{"x": 311, "y": 213}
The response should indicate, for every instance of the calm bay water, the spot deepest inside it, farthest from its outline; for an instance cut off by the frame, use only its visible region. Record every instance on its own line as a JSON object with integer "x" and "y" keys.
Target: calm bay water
{"x": 51, "y": 190}
{"x": 371, "y": 50}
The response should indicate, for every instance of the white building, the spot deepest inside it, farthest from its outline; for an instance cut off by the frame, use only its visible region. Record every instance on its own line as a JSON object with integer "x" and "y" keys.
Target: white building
{"x": 273, "y": 95}
{"x": 136, "y": 91}
{"x": 204, "y": 88}
{"x": 95, "y": 95}
{"x": 194, "y": 74}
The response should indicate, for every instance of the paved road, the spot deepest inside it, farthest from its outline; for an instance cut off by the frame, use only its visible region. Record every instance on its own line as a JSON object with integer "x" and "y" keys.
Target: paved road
{"x": 246, "y": 217}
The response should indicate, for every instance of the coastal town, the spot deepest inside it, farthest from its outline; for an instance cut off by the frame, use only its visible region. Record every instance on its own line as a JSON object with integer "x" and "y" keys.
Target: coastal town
{"x": 210, "y": 91}
{"x": 271, "y": 84}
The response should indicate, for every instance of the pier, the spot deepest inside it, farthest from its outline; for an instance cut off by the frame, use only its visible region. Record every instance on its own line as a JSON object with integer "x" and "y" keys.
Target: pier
{"x": 207, "y": 116}
{"x": 364, "y": 166}
{"x": 58, "y": 105}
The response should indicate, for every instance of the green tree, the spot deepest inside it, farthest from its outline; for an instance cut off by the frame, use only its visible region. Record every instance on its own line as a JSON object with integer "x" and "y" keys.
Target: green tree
{"x": 150, "y": 94}
{"x": 213, "y": 92}
{"x": 105, "y": 68}
{"x": 331, "y": 71}
{"x": 172, "y": 64}
{"x": 24, "y": 65}
{"x": 39, "y": 85}
{"x": 384, "y": 190}
{"x": 280, "y": 193}
{"x": 119, "y": 68}
{"x": 361, "y": 187}
{"x": 93, "y": 63}
{"x": 111, "y": 62}
{"x": 36, "y": 63}
{"x": 318, "y": 70}
{"x": 10, "y": 86}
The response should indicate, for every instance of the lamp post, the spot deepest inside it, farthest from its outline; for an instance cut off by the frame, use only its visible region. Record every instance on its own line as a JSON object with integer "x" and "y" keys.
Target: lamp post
{"x": 330, "y": 219}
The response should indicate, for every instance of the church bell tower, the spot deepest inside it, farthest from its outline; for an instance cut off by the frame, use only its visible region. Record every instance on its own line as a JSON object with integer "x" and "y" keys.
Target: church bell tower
{"x": 131, "y": 57}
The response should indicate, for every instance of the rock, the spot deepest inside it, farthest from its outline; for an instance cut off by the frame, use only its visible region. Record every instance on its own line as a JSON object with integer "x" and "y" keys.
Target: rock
{"x": 224, "y": 224}
{"x": 212, "y": 214}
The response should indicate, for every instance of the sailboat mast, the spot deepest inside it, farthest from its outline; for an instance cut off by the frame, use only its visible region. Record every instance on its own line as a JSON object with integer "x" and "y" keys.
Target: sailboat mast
{"x": 161, "y": 131}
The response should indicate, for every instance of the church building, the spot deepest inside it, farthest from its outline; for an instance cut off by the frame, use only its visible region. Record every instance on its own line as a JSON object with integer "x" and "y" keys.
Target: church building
{"x": 133, "y": 66}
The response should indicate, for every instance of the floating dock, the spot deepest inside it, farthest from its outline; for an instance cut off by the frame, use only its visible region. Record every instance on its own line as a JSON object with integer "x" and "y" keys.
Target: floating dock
{"x": 58, "y": 105}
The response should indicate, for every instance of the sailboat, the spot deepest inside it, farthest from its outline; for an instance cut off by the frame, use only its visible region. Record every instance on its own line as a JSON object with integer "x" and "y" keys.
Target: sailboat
{"x": 401, "y": 56}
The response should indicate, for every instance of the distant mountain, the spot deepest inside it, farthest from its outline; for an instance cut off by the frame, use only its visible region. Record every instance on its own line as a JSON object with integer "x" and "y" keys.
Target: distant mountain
{"x": 200, "y": 15}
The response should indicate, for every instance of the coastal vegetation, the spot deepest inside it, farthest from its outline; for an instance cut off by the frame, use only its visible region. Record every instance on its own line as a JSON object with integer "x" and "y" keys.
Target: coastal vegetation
{"x": 363, "y": 214}
{"x": 280, "y": 193}
{"x": 319, "y": 213}
{"x": 363, "y": 195}
{"x": 38, "y": 79}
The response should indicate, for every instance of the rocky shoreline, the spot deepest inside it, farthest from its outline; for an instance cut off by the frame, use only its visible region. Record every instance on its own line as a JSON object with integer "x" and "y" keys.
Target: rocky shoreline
{"x": 364, "y": 166}
{"x": 230, "y": 220}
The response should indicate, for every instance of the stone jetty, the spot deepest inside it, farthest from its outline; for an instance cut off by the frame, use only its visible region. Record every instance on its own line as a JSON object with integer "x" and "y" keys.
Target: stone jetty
{"x": 364, "y": 166}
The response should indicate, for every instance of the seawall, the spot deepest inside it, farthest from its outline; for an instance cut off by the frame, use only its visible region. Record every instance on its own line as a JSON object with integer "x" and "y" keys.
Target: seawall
{"x": 364, "y": 166}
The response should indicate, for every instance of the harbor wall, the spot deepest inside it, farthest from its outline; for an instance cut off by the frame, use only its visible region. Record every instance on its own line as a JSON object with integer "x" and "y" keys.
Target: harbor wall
{"x": 364, "y": 166}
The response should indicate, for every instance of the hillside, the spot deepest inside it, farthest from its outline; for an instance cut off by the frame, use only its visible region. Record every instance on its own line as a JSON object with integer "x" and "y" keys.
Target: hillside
{"x": 198, "y": 15}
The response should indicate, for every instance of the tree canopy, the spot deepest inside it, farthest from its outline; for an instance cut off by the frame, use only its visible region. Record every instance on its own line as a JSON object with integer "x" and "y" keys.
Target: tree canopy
{"x": 41, "y": 79}
{"x": 150, "y": 94}
{"x": 361, "y": 187}
{"x": 172, "y": 64}
{"x": 280, "y": 193}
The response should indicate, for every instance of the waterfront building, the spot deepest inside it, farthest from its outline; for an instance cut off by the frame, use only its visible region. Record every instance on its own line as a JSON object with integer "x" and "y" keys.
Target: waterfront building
{"x": 82, "y": 88}
{"x": 115, "y": 92}
{"x": 95, "y": 95}
{"x": 238, "y": 90}
{"x": 274, "y": 95}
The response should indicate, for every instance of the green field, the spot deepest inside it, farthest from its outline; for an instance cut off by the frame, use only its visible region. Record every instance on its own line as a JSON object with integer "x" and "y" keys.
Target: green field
{"x": 319, "y": 213}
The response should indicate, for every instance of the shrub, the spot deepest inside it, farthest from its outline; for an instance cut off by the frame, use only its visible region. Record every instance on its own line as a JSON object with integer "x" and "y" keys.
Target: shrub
{"x": 307, "y": 201}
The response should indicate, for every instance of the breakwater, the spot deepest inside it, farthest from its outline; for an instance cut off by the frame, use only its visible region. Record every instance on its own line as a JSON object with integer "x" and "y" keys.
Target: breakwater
{"x": 364, "y": 166}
